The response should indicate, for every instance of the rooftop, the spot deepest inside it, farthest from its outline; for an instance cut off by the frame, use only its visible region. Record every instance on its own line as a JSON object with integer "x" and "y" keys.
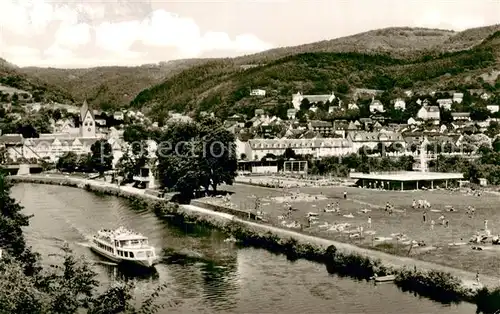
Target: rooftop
{"x": 407, "y": 176}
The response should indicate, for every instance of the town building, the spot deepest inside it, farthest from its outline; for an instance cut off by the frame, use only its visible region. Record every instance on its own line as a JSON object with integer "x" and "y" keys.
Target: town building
{"x": 371, "y": 139}
{"x": 493, "y": 108}
{"x": 313, "y": 99}
{"x": 51, "y": 146}
{"x": 376, "y": 106}
{"x": 324, "y": 128}
{"x": 458, "y": 97}
{"x": 461, "y": 116}
{"x": 399, "y": 104}
{"x": 256, "y": 149}
{"x": 257, "y": 92}
{"x": 445, "y": 103}
{"x": 429, "y": 113}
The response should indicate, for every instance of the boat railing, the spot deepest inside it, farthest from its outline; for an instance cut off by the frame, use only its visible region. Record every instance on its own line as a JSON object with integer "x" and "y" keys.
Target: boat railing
{"x": 136, "y": 246}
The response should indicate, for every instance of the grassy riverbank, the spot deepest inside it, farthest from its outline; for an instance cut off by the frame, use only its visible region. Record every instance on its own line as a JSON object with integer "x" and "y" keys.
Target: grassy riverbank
{"x": 430, "y": 280}
{"x": 388, "y": 233}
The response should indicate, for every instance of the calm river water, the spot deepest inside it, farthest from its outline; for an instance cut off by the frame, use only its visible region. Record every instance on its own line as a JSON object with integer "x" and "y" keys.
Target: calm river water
{"x": 210, "y": 276}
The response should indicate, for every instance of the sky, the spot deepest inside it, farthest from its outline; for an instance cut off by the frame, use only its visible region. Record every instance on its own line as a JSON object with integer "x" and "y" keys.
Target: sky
{"x": 85, "y": 33}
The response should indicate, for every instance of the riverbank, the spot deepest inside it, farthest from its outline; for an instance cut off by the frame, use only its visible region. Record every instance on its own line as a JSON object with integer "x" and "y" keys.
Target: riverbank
{"x": 391, "y": 232}
{"x": 373, "y": 262}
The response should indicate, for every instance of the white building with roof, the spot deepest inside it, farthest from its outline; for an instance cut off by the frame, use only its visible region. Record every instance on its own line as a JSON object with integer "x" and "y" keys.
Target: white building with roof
{"x": 255, "y": 149}
{"x": 51, "y": 146}
{"x": 313, "y": 99}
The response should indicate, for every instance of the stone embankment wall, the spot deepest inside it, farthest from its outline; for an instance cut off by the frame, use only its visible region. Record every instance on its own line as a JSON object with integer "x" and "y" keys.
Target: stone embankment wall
{"x": 427, "y": 279}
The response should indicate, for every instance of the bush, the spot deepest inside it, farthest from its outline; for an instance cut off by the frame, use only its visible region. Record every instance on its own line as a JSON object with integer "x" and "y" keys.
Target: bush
{"x": 488, "y": 301}
{"x": 436, "y": 285}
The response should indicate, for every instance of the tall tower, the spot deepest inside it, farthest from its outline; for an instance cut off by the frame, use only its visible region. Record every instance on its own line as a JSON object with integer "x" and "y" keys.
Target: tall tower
{"x": 87, "y": 122}
{"x": 423, "y": 159}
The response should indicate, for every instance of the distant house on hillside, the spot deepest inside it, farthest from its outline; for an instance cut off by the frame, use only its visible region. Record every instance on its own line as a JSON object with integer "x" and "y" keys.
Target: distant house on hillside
{"x": 118, "y": 116}
{"x": 485, "y": 96}
{"x": 322, "y": 127}
{"x": 259, "y": 112}
{"x": 458, "y": 97}
{"x": 313, "y": 99}
{"x": 460, "y": 116}
{"x": 493, "y": 108}
{"x": 445, "y": 103}
{"x": 291, "y": 113}
{"x": 363, "y": 92}
{"x": 257, "y": 92}
{"x": 376, "y": 106}
{"x": 399, "y": 104}
{"x": 429, "y": 113}
{"x": 352, "y": 106}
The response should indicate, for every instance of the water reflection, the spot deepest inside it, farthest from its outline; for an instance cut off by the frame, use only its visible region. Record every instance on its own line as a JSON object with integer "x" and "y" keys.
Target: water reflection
{"x": 125, "y": 273}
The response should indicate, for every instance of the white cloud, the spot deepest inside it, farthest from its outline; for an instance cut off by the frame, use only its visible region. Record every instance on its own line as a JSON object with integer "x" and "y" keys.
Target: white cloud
{"x": 13, "y": 17}
{"x": 72, "y": 26}
{"x": 164, "y": 29}
{"x": 117, "y": 37}
{"x": 73, "y": 35}
{"x": 32, "y": 17}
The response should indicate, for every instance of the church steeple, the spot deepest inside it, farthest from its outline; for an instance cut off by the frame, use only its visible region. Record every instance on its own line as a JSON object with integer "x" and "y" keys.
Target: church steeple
{"x": 83, "y": 110}
{"x": 87, "y": 121}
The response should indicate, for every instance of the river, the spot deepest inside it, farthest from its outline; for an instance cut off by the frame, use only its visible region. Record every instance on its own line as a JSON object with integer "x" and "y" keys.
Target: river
{"x": 207, "y": 275}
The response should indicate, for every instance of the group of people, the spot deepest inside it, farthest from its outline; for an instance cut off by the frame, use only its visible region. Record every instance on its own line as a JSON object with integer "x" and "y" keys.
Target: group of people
{"x": 420, "y": 204}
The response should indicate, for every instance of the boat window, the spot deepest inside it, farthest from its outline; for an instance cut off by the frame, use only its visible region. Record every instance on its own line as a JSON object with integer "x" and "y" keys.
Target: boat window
{"x": 135, "y": 241}
{"x": 131, "y": 254}
{"x": 126, "y": 254}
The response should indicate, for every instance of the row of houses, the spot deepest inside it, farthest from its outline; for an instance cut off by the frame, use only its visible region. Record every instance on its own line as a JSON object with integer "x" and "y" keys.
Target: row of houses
{"x": 256, "y": 149}
{"x": 399, "y": 103}
{"x": 65, "y": 138}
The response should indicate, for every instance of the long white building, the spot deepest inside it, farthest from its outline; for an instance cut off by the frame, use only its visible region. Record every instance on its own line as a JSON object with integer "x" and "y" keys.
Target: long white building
{"x": 255, "y": 149}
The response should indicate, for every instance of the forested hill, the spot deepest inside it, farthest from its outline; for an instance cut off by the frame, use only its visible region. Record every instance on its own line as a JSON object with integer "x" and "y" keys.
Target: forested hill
{"x": 200, "y": 83}
{"x": 223, "y": 85}
{"x": 108, "y": 87}
{"x": 12, "y": 77}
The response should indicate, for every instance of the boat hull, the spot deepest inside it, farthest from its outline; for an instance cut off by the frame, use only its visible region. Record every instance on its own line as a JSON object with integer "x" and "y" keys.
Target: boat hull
{"x": 147, "y": 263}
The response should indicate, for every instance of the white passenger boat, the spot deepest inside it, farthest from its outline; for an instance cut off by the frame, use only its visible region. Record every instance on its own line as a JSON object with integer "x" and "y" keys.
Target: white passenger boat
{"x": 124, "y": 246}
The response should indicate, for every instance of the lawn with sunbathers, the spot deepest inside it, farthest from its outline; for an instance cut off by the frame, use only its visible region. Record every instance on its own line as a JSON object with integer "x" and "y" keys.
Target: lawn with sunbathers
{"x": 394, "y": 230}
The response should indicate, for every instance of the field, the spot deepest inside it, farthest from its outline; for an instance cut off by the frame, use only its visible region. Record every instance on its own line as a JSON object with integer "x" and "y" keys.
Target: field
{"x": 404, "y": 220}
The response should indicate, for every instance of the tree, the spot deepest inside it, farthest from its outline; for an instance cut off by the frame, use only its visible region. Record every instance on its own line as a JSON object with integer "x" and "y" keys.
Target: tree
{"x": 102, "y": 156}
{"x": 493, "y": 129}
{"x": 68, "y": 162}
{"x": 484, "y": 149}
{"x": 66, "y": 288}
{"x": 193, "y": 155}
{"x": 479, "y": 113}
{"x": 12, "y": 220}
{"x": 4, "y": 155}
{"x": 496, "y": 144}
{"x": 219, "y": 152}
{"x": 135, "y": 133}
{"x": 289, "y": 153}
